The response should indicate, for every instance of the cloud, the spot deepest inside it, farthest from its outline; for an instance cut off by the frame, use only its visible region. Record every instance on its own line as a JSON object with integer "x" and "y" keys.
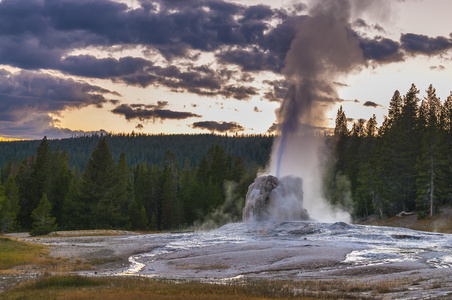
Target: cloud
{"x": 278, "y": 90}
{"x": 273, "y": 129}
{"x": 219, "y": 126}
{"x": 418, "y": 43}
{"x": 172, "y": 37}
{"x": 340, "y": 84}
{"x": 239, "y": 92}
{"x": 90, "y": 66}
{"x": 438, "y": 68}
{"x": 151, "y": 112}
{"x": 27, "y": 99}
{"x": 252, "y": 60}
{"x": 381, "y": 50}
{"x": 26, "y": 92}
{"x": 371, "y": 104}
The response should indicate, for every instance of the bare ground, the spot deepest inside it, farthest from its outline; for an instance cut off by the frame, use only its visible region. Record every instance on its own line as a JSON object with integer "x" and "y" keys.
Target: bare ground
{"x": 106, "y": 253}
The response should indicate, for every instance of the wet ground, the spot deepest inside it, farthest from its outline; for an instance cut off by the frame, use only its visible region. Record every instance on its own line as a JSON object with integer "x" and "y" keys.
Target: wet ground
{"x": 296, "y": 251}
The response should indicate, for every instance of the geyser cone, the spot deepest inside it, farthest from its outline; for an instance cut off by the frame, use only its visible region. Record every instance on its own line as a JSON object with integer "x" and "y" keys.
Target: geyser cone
{"x": 272, "y": 198}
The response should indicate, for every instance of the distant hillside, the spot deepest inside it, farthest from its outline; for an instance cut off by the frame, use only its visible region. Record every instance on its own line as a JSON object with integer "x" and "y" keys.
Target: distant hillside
{"x": 147, "y": 148}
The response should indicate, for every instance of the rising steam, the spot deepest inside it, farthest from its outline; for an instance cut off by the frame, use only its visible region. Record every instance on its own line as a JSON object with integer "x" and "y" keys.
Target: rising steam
{"x": 324, "y": 49}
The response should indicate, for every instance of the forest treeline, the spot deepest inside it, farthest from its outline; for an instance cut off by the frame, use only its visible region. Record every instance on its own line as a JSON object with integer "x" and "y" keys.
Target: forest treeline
{"x": 404, "y": 165}
{"x": 43, "y": 192}
{"x": 145, "y": 148}
{"x": 174, "y": 182}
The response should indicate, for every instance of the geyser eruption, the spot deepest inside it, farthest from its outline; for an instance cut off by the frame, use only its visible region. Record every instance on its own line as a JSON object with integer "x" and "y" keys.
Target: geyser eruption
{"x": 324, "y": 48}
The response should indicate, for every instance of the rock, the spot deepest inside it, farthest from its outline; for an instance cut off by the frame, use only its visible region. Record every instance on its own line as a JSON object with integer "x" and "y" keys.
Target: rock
{"x": 270, "y": 198}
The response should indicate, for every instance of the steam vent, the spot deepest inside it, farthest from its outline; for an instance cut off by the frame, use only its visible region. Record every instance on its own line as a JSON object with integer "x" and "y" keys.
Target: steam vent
{"x": 270, "y": 198}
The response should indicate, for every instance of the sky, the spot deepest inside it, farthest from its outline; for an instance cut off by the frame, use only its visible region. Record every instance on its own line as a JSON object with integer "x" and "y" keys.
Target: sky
{"x": 75, "y": 67}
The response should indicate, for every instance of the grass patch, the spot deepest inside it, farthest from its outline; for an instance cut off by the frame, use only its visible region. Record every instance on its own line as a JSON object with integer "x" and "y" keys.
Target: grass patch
{"x": 94, "y": 232}
{"x": 77, "y": 287}
{"x": 14, "y": 253}
{"x": 63, "y": 282}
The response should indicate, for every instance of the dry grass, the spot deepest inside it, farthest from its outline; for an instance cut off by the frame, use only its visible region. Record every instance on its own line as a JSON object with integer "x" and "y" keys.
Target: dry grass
{"x": 15, "y": 253}
{"x": 77, "y": 287}
{"x": 94, "y": 232}
{"x": 438, "y": 223}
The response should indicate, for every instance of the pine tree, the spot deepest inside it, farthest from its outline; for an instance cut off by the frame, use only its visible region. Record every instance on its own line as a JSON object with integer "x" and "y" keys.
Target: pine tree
{"x": 43, "y": 222}
{"x": 61, "y": 184}
{"x": 42, "y": 176}
{"x": 341, "y": 123}
{"x": 432, "y": 163}
{"x": 239, "y": 169}
{"x": 24, "y": 180}
{"x": 96, "y": 189}
{"x": 9, "y": 206}
{"x": 122, "y": 190}
{"x": 433, "y": 173}
{"x": 358, "y": 129}
{"x": 12, "y": 193}
{"x": 371, "y": 127}
{"x": 395, "y": 107}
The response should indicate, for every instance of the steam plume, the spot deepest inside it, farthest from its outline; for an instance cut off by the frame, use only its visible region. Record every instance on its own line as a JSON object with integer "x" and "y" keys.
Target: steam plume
{"x": 324, "y": 49}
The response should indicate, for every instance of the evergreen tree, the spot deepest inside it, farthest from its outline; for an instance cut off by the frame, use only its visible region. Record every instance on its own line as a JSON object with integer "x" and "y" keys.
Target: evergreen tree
{"x": 122, "y": 191}
{"x": 239, "y": 169}
{"x": 371, "y": 127}
{"x": 432, "y": 163}
{"x": 61, "y": 184}
{"x": 43, "y": 222}
{"x": 99, "y": 208}
{"x": 7, "y": 216}
{"x": 446, "y": 115}
{"x": 9, "y": 206}
{"x": 433, "y": 173}
{"x": 24, "y": 182}
{"x": 395, "y": 107}
{"x": 341, "y": 123}
{"x": 12, "y": 193}
{"x": 42, "y": 176}
{"x": 358, "y": 129}
{"x": 75, "y": 212}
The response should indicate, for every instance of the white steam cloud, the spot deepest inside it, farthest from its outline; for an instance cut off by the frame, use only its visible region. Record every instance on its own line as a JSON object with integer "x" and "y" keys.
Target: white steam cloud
{"x": 324, "y": 49}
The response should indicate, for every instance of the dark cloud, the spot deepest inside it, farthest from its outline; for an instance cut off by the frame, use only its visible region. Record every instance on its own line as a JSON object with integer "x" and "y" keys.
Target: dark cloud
{"x": 273, "y": 129}
{"x": 219, "y": 126}
{"x": 252, "y": 60}
{"x": 31, "y": 92}
{"x": 46, "y": 34}
{"x": 151, "y": 112}
{"x": 381, "y": 50}
{"x": 27, "y": 98}
{"x": 239, "y": 92}
{"x": 257, "y": 12}
{"x": 90, "y": 66}
{"x": 371, "y": 104}
{"x": 277, "y": 92}
{"x": 360, "y": 23}
{"x": 418, "y": 43}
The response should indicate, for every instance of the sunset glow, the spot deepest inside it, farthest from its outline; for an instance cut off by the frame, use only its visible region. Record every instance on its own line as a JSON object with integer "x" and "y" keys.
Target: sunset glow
{"x": 198, "y": 66}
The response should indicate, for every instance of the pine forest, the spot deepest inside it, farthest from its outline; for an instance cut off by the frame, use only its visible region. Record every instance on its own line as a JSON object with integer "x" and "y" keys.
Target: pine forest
{"x": 173, "y": 182}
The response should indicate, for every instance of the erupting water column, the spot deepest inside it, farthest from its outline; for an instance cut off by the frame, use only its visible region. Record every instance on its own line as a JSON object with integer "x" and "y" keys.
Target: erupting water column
{"x": 324, "y": 48}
